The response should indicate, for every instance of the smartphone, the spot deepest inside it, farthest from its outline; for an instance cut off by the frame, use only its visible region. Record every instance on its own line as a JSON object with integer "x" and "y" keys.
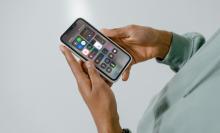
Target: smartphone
{"x": 89, "y": 44}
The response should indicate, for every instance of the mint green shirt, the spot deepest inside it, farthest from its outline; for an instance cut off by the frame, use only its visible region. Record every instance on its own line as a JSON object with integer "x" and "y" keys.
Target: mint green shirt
{"x": 190, "y": 101}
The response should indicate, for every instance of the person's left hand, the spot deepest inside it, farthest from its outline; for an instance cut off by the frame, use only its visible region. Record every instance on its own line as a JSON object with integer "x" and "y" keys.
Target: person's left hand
{"x": 96, "y": 93}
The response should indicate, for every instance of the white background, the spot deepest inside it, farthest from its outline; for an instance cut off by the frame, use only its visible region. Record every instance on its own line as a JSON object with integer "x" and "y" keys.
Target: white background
{"x": 38, "y": 93}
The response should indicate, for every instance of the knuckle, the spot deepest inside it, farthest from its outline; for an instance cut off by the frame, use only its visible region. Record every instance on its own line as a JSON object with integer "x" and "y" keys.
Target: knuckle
{"x": 132, "y": 26}
{"x": 97, "y": 85}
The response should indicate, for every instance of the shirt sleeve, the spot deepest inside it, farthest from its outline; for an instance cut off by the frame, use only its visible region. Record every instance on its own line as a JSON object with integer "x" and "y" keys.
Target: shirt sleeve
{"x": 182, "y": 49}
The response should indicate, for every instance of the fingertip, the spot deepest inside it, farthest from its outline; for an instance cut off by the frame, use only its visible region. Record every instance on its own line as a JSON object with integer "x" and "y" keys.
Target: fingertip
{"x": 88, "y": 64}
{"x": 124, "y": 78}
{"x": 104, "y": 31}
{"x": 61, "y": 48}
{"x": 125, "y": 75}
{"x": 64, "y": 50}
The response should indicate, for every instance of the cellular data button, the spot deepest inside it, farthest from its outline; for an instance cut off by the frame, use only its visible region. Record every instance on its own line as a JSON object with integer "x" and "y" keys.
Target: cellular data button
{"x": 78, "y": 39}
{"x": 99, "y": 58}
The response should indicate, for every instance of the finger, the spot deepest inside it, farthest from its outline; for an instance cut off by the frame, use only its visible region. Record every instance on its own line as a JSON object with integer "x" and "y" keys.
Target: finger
{"x": 93, "y": 73}
{"x": 104, "y": 79}
{"x": 74, "y": 65}
{"x": 116, "y": 33}
{"x": 118, "y": 115}
{"x": 84, "y": 67}
{"x": 81, "y": 65}
{"x": 107, "y": 82}
{"x": 126, "y": 73}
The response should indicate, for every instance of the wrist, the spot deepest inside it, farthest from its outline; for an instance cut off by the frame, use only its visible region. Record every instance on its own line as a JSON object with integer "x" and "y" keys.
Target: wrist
{"x": 163, "y": 43}
{"x": 112, "y": 126}
{"x": 108, "y": 124}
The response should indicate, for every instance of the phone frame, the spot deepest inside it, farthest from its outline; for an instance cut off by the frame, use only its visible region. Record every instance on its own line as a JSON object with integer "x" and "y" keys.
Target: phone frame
{"x": 79, "y": 55}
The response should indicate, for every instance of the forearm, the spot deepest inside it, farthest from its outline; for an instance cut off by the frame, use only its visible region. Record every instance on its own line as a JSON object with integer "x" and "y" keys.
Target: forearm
{"x": 182, "y": 49}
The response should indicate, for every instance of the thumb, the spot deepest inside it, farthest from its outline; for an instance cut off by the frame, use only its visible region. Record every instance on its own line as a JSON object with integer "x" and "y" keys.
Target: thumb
{"x": 116, "y": 33}
{"x": 93, "y": 73}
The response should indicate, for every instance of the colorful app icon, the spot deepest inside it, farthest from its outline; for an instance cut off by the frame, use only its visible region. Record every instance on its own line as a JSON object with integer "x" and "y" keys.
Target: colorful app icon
{"x": 77, "y": 43}
{"x": 79, "y": 39}
{"x": 107, "y": 60}
{"x": 83, "y": 43}
{"x": 98, "y": 45}
{"x": 85, "y": 51}
{"x": 105, "y": 51}
{"x": 111, "y": 56}
{"x": 79, "y": 46}
{"x": 112, "y": 64}
{"x": 108, "y": 69}
{"x": 115, "y": 51}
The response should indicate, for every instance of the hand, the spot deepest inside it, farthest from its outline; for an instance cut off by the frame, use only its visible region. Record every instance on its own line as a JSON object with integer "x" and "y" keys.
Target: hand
{"x": 96, "y": 93}
{"x": 141, "y": 42}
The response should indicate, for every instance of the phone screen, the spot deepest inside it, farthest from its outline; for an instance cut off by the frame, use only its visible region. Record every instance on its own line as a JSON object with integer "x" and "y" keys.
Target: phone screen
{"x": 92, "y": 45}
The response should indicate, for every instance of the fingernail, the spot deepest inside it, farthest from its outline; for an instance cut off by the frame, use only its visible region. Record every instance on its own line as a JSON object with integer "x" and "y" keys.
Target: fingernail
{"x": 88, "y": 64}
{"x": 61, "y": 48}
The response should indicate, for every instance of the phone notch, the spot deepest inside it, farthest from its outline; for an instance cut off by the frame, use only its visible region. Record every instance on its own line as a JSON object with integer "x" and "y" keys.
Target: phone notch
{"x": 70, "y": 28}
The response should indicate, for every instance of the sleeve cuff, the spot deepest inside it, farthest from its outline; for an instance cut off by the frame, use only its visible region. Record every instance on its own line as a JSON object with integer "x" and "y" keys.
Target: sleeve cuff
{"x": 179, "y": 52}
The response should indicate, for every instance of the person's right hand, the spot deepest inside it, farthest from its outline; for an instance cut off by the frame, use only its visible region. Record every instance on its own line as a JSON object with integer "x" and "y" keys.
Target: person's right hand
{"x": 141, "y": 42}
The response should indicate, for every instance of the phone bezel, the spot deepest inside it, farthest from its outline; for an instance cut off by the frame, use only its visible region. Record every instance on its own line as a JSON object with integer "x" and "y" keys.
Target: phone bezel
{"x": 84, "y": 59}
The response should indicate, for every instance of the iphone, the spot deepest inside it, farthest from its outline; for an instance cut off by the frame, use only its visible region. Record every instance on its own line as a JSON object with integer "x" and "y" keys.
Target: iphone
{"x": 89, "y": 44}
